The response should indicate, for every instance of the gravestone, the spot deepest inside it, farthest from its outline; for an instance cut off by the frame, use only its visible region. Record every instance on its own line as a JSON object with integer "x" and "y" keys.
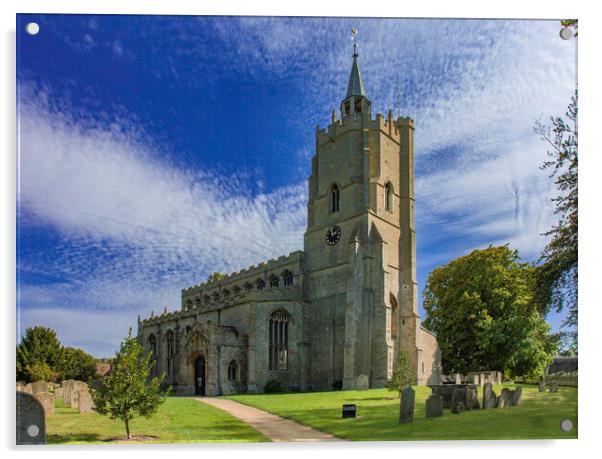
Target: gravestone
{"x": 85, "y": 403}
{"x": 38, "y": 387}
{"x": 554, "y": 386}
{"x": 458, "y": 396}
{"x": 472, "y": 399}
{"x": 489, "y": 397}
{"x": 349, "y": 411}
{"x": 517, "y": 396}
{"x": 434, "y": 406}
{"x": 25, "y": 388}
{"x": 73, "y": 397}
{"x": 47, "y": 401}
{"x": 542, "y": 386}
{"x": 458, "y": 408}
{"x": 503, "y": 400}
{"x": 31, "y": 420}
{"x": 66, "y": 385}
{"x": 406, "y": 409}
{"x": 58, "y": 393}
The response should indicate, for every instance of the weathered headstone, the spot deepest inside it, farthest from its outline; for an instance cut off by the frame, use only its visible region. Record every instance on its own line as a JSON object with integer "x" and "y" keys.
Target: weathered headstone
{"x": 84, "y": 401}
{"x": 503, "y": 400}
{"x": 434, "y": 406}
{"x": 31, "y": 420}
{"x": 458, "y": 408}
{"x": 73, "y": 397}
{"x": 47, "y": 401}
{"x": 66, "y": 385}
{"x": 406, "y": 409}
{"x": 38, "y": 387}
{"x": 554, "y": 386}
{"x": 58, "y": 393}
{"x": 489, "y": 397}
{"x": 459, "y": 395}
{"x": 25, "y": 388}
{"x": 542, "y": 386}
{"x": 516, "y": 396}
{"x": 472, "y": 399}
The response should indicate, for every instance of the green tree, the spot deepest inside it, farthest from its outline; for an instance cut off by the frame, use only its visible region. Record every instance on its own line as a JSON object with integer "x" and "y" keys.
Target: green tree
{"x": 557, "y": 274}
{"x": 40, "y": 371}
{"x": 127, "y": 391}
{"x": 77, "y": 364}
{"x": 481, "y": 307}
{"x": 38, "y": 347}
{"x": 403, "y": 373}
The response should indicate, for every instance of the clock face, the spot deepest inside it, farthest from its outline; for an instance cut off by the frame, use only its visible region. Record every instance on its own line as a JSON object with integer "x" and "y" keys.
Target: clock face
{"x": 333, "y": 235}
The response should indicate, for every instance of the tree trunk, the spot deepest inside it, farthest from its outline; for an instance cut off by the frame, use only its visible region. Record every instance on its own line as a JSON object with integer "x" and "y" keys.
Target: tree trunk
{"x": 127, "y": 429}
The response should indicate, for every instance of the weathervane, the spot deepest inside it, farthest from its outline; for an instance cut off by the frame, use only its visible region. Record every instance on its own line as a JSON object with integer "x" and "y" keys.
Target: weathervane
{"x": 354, "y": 38}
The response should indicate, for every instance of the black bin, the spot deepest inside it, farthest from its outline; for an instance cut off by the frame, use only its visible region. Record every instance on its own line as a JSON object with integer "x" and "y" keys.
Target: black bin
{"x": 349, "y": 411}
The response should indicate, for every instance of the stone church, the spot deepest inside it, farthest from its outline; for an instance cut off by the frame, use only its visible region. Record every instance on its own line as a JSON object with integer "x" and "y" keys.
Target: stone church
{"x": 334, "y": 315}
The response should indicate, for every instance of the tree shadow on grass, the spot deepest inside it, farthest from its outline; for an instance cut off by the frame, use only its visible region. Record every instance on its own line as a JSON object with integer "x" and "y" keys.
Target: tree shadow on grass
{"x": 81, "y": 437}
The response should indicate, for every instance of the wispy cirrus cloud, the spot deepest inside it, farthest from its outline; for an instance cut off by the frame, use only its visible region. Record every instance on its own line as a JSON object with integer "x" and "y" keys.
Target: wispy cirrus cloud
{"x": 133, "y": 228}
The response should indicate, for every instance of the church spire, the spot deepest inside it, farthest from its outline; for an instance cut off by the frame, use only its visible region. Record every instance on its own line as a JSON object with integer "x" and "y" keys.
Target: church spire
{"x": 356, "y": 82}
{"x": 356, "y": 101}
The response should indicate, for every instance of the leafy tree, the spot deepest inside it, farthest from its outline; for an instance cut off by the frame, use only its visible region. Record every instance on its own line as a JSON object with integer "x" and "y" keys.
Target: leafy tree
{"x": 557, "y": 274}
{"x": 127, "y": 391}
{"x": 77, "y": 364}
{"x": 215, "y": 276}
{"x": 481, "y": 307}
{"x": 38, "y": 347}
{"x": 403, "y": 373}
{"x": 40, "y": 371}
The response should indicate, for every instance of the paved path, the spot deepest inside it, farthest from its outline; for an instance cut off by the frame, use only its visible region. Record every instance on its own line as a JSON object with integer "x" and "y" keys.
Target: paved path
{"x": 272, "y": 426}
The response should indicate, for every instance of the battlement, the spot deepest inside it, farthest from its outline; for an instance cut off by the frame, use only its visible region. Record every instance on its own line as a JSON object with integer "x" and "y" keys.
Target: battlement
{"x": 387, "y": 125}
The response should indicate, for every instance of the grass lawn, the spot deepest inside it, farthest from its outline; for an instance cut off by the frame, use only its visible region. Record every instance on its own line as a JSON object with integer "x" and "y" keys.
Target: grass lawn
{"x": 179, "y": 420}
{"x": 538, "y": 416}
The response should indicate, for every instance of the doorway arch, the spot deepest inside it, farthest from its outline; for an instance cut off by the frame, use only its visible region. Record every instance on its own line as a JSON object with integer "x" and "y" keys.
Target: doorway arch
{"x": 199, "y": 375}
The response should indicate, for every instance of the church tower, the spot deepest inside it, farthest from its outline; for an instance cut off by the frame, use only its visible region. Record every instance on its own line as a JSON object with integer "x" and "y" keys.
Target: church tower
{"x": 360, "y": 248}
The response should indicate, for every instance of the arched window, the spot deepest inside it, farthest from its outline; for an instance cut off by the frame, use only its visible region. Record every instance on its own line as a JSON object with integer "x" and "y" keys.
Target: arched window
{"x": 233, "y": 371}
{"x": 248, "y": 286}
{"x": 207, "y": 299}
{"x": 394, "y": 316}
{"x": 226, "y": 293}
{"x": 189, "y": 303}
{"x": 260, "y": 283}
{"x": 334, "y": 198}
{"x": 278, "y": 338}
{"x": 389, "y": 197}
{"x": 236, "y": 290}
{"x": 171, "y": 352}
{"x": 287, "y": 278}
{"x": 274, "y": 282}
{"x": 152, "y": 347}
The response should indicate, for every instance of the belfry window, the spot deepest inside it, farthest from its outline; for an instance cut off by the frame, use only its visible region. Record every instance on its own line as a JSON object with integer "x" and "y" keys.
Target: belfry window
{"x": 274, "y": 281}
{"x": 233, "y": 371}
{"x": 152, "y": 347}
{"x": 334, "y": 196}
{"x": 389, "y": 197}
{"x": 357, "y": 106}
{"x": 287, "y": 278}
{"x": 278, "y": 339}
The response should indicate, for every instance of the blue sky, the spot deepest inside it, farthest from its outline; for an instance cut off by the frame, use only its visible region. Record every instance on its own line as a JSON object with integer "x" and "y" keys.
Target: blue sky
{"x": 154, "y": 149}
